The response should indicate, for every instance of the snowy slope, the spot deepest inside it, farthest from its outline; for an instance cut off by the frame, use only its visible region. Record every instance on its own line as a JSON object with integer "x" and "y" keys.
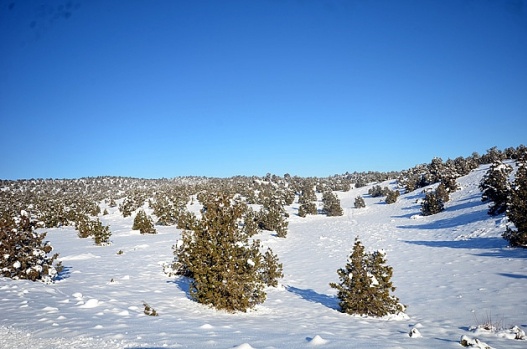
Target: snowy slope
{"x": 453, "y": 270}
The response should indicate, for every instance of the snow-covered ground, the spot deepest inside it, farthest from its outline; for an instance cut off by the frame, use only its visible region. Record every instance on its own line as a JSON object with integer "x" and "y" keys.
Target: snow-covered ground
{"x": 453, "y": 271}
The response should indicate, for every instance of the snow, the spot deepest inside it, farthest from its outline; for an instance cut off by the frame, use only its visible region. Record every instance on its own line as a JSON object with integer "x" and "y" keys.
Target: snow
{"x": 449, "y": 269}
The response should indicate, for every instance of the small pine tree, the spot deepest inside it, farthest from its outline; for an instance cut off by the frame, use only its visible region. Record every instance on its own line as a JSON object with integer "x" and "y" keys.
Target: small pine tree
{"x": 272, "y": 217}
{"x": 228, "y": 270}
{"x": 307, "y": 208}
{"x": 392, "y": 196}
{"x": 359, "y": 202}
{"x": 143, "y": 223}
{"x": 365, "y": 285}
{"x": 432, "y": 204}
{"x": 517, "y": 209}
{"x": 495, "y": 187}
{"x": 331, "y": 203}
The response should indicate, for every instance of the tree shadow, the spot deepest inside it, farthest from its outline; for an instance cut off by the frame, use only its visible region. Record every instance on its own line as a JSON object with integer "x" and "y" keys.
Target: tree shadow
{"x": 492, "y": 242}
{"x": 183, "y": 283}
{"x": 64, "y": 273}
{"x": 451, "y": 222}
{"x": 514, "y": 276}
{"x": 315, "y": 297}
{"x": 497, "y": 245}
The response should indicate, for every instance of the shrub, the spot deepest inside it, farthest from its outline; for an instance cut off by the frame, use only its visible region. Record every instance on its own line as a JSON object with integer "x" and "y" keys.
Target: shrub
{"x": 24, "y": 253}
{"x": 391, "y": 196}
{"x": 86, "y": 227}
{"x": 331, "y": 204}
{"x": 359, "y": 202}
{"x": 517, "y": 209}
{"x": 228, "y": 271}
{"x": 432, "y": 204}
{"x": 143, "y": 223}
{"x": 307, "y": 208}
{"x": 272, "y": 217}
{"x": 365, "y": 285}
{"x": 495, "y": 187}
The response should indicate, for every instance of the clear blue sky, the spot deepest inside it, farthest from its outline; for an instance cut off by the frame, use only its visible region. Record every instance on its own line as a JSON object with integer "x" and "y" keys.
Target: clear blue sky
{"x": 220, "y": 88}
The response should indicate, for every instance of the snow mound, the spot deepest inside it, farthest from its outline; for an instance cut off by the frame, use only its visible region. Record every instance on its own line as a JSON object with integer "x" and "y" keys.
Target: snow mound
{"x": 244, "y": 346}
{"x": 317, "y": 340}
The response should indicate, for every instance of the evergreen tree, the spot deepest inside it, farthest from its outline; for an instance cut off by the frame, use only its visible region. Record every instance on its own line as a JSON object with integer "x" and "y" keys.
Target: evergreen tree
{"x": 24, "y": 253}
{"x": 365, "y": 285}
{"x": 359, "y": 202}
{"x": 432, "y": 204}
{"x": 392, "y": 196}
{"x": 143, "y": 223}
{"x": 272, "y": 217}
{"x": 307, "y": 208}
{"x": 495, "y": 187}
{"x": 228, "y": 271}
{"x": 517, "y": 209}
{"x": 331, "y": 204}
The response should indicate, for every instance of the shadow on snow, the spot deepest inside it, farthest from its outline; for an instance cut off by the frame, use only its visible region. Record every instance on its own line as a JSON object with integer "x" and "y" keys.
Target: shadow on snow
{"x": 497, "y": 246}
{"x": 315, "y": 297}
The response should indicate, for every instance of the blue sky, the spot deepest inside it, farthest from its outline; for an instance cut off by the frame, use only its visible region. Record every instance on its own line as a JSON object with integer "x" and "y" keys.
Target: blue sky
{"x": 233, "y": 87}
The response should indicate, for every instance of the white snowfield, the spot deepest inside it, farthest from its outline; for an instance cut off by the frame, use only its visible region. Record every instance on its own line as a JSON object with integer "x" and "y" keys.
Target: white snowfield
{"x": 452, "y": 270}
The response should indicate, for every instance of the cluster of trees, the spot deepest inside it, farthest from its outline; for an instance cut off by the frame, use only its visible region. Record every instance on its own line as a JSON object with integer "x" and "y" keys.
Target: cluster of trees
{"x": 218, "y": 251}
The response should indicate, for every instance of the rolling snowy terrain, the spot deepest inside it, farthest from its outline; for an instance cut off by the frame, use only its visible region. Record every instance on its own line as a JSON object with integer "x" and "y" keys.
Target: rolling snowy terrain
{"x": 452, "y": 270}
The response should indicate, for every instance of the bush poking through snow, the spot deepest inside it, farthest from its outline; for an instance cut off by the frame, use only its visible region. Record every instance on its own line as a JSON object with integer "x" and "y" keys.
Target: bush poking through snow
{"x": 473, "y": 343}
{"x": 495, "y": 187}
{"x": 23, "y": 252}
{"x": 516, "y": 233}
{"x": 149, "y": 310}
{"x": 143, "y": 223}
{"x": 365, "y": 285}
{"x": 432, "y": 203}
{"x": 359, "y": 202}
{"x": 94, "y": 228}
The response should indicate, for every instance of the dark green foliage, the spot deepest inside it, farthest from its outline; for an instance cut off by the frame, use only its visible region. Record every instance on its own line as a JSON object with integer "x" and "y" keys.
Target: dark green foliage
{"x": 365, "y": 285}
{"x": 307, "y": 208}
{"x": 392, "y": 196}
{"x": 24, "y": 253}
{"x": 143, "y": 223}
{"x": 495, "y": 187}
{"x": 442, "y": 193}
{"x": 228, "y": 270}
{"x": 273, "y": 217}
{"x": 377, "y": 191}
{"x": 359, "y": 202}
{"x": 517, "y": 209}
{"x": 87, "y": 227}
{"x": 331, "y": 203}
{"x": 432, "y": 204}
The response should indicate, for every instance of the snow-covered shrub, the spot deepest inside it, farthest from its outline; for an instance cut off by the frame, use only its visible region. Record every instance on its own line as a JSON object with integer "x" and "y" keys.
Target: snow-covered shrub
{"x": 392, "y": 196}
{"x": 331, "y": 203}
{"x": 307, "y": 208}
{"x": 359, "y": 202}
{"x": 228, "y": 270}
{"x": 143, "y": 223}
{"x": 87, "y": 227}
{"x": 495, "y": 187}
{"x": 273, "y": 217}
{"x": 516, "y": 234}
{"x": 432, "y": 204}
{"x": 365, "y": 285}
{"x": 23, "y": 253}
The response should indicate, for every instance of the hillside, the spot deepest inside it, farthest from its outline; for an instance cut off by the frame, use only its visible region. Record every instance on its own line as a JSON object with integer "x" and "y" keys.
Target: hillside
{"x": 453, "y": 271}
